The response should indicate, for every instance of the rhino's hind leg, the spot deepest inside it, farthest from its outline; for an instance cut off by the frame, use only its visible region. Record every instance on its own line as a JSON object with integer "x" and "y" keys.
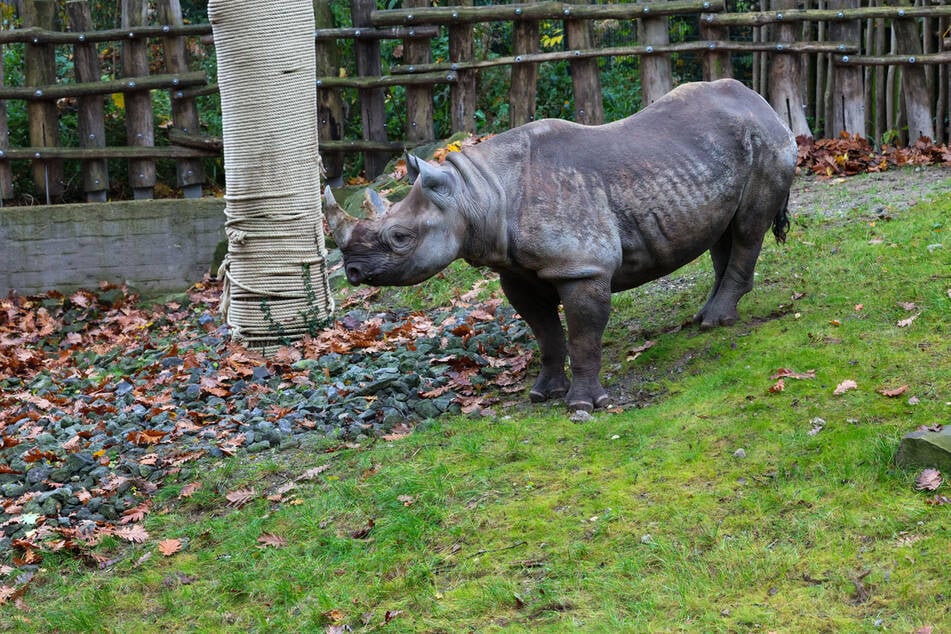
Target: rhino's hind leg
{"x": 734, "y": 261}
{"x": 587, "y": 306}
{"x": 537, "y": 303}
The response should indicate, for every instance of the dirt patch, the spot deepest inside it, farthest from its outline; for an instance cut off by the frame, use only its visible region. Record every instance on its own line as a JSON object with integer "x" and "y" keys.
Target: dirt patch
{"x": 890, "y": 192}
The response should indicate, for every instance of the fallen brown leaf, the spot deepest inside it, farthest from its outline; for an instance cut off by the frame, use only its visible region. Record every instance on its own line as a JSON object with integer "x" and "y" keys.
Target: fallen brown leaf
{"x": 893, "y": 393}
{"x": 928, "y": 480}
{"x": 270, "y": 540}
{"x": 845, "y": 386}
{"x": 169, "y": 547}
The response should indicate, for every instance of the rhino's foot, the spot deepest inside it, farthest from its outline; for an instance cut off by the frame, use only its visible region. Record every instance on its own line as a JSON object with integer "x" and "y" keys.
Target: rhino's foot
{"x": 547, "y": 388}
{"x": 587, "y": 400}
{"x": 707, "y": 320}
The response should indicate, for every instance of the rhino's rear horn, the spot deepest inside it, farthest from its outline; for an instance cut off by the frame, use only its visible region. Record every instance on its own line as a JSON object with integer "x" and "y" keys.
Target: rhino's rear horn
{"x": 375, "y": 205}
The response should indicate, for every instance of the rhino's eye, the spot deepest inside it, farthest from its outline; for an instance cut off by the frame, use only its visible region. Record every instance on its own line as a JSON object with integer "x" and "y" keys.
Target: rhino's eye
{"x": 400, "y": 239}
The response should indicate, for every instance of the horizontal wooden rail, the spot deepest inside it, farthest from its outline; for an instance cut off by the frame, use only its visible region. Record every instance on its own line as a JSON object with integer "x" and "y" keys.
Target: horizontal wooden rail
{"x": 384, "y": 81}
{"x": 539, "y": 11}
{"x": 215, "y": 145}
{"x": 33, "y": 35}
{"x": 623, "y": 51}
{"x": 822, "y": 15}
{"x": 116, "y": 152}
{"x": 894, "y": 60}
{"x": 126, "y": 84}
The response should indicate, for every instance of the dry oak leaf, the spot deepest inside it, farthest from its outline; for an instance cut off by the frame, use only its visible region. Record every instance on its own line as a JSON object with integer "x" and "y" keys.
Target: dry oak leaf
{"x": 904, "y": 323}
{"x": 189, "y": 490}
{"x": 169, "y": 547}
{"x": 892, "y": 393}
{"x": 928, "y": 480}
{"x": 270, "y": 540}
{"x": 240, "y": 497}
{"x": 845, "y": 386}
{"x": 778, "y": 386}
{"x": 786, "y": 373}
{"x": 134, "y": 533}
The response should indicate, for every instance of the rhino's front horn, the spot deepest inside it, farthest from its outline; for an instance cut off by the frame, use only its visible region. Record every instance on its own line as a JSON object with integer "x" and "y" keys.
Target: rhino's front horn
{"x": 341, "y": 223}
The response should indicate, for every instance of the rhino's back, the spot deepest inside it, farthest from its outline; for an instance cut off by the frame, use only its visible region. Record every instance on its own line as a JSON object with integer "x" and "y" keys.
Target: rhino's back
{"x": 645, "y": 194}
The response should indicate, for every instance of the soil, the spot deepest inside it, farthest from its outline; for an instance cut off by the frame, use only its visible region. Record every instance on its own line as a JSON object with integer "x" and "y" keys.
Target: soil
{"x": 882, "y": 192}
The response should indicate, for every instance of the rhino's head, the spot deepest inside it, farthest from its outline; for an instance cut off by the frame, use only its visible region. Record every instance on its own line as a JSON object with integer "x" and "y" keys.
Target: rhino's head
{"x": 403, "y": 243}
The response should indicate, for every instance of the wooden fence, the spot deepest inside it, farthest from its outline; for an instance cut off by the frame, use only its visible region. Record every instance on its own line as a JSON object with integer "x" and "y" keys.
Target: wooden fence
{"x": 827, "y": 66}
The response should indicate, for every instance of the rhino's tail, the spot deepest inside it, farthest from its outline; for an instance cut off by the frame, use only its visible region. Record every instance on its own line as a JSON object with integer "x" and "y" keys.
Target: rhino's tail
{"x": 781, "y": 221}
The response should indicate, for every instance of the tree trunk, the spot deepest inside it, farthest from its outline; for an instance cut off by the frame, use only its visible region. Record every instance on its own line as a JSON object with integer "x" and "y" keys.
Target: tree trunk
{"x": 276, "y": 287}
{"x": 372, "y": 106}
{"x": 92, "y": 123}
{"x": 44, "y": 122}
{"x": 330, "y": 110}
{"x": 785, "y": 88}
{"x": 522, "y": 86}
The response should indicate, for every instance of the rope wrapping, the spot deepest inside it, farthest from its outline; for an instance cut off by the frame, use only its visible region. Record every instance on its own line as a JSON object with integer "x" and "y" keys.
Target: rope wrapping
{"x": 275, "y": 273}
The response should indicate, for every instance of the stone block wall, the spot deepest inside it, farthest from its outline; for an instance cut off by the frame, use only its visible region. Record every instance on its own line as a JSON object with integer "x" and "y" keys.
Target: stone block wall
{"x": 155, "y": 246}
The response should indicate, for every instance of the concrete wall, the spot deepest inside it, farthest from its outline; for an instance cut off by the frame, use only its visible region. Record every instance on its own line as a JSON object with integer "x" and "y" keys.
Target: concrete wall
{"x": 155, "y": 247}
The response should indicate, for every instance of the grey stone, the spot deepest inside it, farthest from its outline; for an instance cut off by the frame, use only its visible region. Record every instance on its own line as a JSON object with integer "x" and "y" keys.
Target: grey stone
{"x": 926, "y": 449}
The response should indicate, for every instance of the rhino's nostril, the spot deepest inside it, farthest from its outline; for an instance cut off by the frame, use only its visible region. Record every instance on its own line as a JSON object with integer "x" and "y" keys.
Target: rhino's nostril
{"x": 354, "y": 275}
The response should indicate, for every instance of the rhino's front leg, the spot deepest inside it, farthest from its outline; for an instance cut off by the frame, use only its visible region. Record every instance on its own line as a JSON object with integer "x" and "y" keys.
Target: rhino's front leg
{"x": 587, "y": 306}
{"x": 537, "y": 303}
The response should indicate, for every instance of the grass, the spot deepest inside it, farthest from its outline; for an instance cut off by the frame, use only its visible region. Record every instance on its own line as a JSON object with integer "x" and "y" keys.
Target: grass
{"x": 641, "y": 520}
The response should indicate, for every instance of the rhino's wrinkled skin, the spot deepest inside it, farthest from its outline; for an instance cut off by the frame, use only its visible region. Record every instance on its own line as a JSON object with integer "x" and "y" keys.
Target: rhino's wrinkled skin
{"x": 569, "y": 214}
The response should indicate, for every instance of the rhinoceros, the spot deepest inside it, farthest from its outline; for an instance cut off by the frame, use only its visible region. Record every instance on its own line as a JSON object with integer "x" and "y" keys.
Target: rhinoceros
{"x": 568, "y": 214}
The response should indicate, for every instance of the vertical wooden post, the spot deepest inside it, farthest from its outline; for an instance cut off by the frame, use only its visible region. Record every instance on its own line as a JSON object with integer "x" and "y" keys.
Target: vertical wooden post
{"x": 44, "y": 123}
{"x": 878, "y": 48}
{"x": 91, "y": 124}
{"x": 372, "y": 105}
{"x": 585, "y": 74}
{"x": 6, "y": 174}
{"x": 139, "y": 124}
{"x": 716, "y": 64}
{"x": 942, "y": 111}
{"x": 656, "y": 73}
{"x": 523, "y": 84}
{"x": 191, "y": 172}
{"x": 848, "y": 92}
{"x": 914, "y": 82}
{"x": 463, "y": 92}
{"x": 419, "y": 99}
{"x": 330, "y": 114}
{"x": 785, "y": 91}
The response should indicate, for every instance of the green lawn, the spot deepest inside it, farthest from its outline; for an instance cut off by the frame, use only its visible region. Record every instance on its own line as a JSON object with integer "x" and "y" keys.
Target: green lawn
{"x": 716, "y": 506}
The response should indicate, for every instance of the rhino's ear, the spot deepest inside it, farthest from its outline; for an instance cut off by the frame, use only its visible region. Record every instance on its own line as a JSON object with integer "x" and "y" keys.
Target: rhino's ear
{"x": 436, "y": 182}
{"x": 412, "y": 167}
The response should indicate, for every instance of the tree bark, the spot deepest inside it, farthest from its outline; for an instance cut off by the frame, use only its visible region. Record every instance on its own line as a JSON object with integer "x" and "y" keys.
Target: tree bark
{"x": 716, "y": 64}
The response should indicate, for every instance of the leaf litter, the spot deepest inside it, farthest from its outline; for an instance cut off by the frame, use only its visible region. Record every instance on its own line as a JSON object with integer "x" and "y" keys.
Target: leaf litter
{"x": 102, "y": 398}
